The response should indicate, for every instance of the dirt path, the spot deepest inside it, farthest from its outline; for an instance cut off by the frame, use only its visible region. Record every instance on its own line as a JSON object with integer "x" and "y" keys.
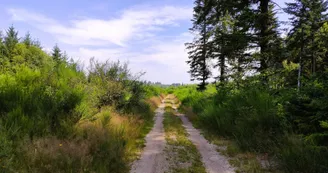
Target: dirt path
{"x": 152, "y": 159}
{"x": 214, "y": 162}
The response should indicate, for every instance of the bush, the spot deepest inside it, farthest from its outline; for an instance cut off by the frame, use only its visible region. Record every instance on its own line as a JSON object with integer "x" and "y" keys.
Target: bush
{"x": 43, "y": 100}
{"x": 298, "y": 156}
{"x": 265, "y": 120}
{"x": 250, "y": 116}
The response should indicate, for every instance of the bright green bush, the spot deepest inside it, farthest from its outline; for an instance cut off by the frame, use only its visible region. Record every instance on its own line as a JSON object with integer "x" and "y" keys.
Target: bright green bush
{"x": 43, "y": 98}
{"x": 265, "y": 120}
{"x": 250, "y": 116}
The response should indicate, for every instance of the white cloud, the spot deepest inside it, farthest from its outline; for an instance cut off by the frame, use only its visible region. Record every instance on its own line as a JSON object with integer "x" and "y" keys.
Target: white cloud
{"x": 165, "y": 61}
{"x": 135, "y": 31}
{"x": 134, "y": 23}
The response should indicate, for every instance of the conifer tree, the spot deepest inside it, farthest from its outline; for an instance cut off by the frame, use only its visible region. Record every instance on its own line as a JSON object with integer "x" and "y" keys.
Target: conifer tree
{"x": 198, "y": 50}
{"x": 36, "y": 43}
{"x": 266, "y": 36}
{"x": 256, "y": 27}
{"x": 1, "y": 45}
{"x": 317, "y": 17}
{"x": 56, "y": 54}
{"x": 307, "y": 17}
{"x": 2, "y": 50}
{"x": 10, "y": 41}
{"x": 27, "y": 40}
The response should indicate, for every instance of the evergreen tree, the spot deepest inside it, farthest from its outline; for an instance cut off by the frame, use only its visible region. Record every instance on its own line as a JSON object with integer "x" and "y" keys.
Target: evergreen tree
{"x": 318, "y": 16}
{"x": 266, "y": 36}
{"x": 2, "y": 50}
{"x": 1, "y": 45}
{"x": 220, "y": 42}
{"x": 36, "y": 43}
{"x": 321, "y": 38}
{"x": 307, "y": 18}
{"x": 27, "y": 40}
{"x": 199, "y": 50}
{"x": 255, "y": 28}
{"x": 10, "y": 41}
{"x": 56, "y": 54}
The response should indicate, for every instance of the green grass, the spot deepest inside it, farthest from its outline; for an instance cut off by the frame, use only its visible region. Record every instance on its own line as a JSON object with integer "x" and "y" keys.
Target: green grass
{"x": 183, "y": 155}
{"x": 244, "y": 162}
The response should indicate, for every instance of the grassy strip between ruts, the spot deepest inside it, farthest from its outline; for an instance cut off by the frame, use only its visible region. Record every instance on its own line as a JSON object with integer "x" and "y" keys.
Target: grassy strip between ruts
{"x": 244, "y": 162}
{"x": 181, "y": 153}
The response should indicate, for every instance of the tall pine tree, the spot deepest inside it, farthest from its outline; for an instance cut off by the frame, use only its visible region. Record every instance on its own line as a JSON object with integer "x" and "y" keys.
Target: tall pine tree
{"x": 1, "y": 45}
{"x": 2, "y": 50}
{"x": 199, "y": 50}
{"x": 307, "y": 17}
{"x": 27, "y": 40}
{"x": 56, "y": 54}
{"x": 10, "y": 41}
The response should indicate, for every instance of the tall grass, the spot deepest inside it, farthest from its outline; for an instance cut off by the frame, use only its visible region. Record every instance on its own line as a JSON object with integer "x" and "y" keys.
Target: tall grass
{"x": 259, "y": 120}
{"x": 56, "y": 118}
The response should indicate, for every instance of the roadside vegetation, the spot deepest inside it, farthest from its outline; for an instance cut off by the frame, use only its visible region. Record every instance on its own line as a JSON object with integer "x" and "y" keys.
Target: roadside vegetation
{"x": 271, "y": 89}
{"x": 257, "y": 129}
{"x": 55, "y": 117}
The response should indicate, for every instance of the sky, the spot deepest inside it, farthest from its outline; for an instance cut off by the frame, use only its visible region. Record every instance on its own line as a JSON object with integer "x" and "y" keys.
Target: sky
{"x": 148, "y": 34}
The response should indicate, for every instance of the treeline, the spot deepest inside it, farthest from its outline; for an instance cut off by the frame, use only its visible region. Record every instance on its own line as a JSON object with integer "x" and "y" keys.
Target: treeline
{"x": 244, "y": 38}
{"x": 272, "y": 91}
{"x": 54, "y": 117}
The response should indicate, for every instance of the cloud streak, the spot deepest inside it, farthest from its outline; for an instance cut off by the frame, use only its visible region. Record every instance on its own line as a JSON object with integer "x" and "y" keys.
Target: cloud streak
{"x": 131, "y": 24}
{"x": 147, "y": 37}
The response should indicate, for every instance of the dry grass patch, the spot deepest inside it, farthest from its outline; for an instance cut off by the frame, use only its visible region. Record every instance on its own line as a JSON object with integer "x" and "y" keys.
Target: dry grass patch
{"x": 154, "y": 102}
{"x": 108, "y": 142}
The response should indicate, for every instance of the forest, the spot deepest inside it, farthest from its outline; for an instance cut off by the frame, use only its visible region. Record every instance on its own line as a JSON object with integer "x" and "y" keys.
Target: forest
{"x": 271, "y": 92}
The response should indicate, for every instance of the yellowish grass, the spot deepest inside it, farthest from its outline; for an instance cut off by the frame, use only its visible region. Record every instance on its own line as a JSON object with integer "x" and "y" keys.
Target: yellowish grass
{"x": 122, "y": 135}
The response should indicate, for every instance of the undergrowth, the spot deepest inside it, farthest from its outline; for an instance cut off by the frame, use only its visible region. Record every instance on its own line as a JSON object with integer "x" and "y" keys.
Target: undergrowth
{"x": 261, "y": 123}
{"x": 54, "y": 117}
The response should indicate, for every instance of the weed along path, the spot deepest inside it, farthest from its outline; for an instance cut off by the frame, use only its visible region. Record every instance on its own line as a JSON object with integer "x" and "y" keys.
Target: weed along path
{"x": 152, "y": 159}
{"x": 174, "y": 145}
{"x": 214, "y": 162}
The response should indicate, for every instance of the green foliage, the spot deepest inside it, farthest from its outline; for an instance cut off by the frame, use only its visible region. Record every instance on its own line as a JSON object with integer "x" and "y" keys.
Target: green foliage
{"x": 10, "y": 41}
{"x": 271, "y": 88}
{"x": 199, "y": 50}
{"x": 266, "y": 120}
{"x": 44, "y": 95}
{"x": 299, "y": 156}
{"x": 118, "y": 87}
{"x": 250, "y": 116}
{"x": 307, "y": 111}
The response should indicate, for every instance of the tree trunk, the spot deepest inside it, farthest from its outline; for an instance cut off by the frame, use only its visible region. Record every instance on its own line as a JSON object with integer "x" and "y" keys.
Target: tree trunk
{"x": 204, "y": 77}
{"x": 313, "y": 59}
{"x": 263, "y": 42}
{"x": 222, "y": 68}
{"x": 300, "y": 63}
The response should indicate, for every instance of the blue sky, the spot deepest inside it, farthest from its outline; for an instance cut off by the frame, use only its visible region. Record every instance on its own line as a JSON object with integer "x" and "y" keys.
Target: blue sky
{"x": 149, "y": 34}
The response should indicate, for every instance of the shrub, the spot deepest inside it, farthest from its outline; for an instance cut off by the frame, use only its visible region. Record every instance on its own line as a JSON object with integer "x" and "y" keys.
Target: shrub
{"x": 296, "y": 155}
